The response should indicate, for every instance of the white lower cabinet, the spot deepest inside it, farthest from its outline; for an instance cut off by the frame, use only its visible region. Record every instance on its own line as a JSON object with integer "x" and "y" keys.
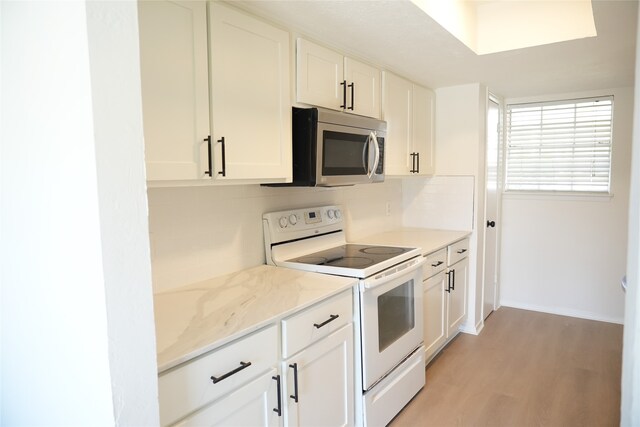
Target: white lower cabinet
{"x": 319, "y": 387}
{"x": 246, "y": 383}
{"x": 457, "y": 298}
{"x": 435, "y": 314}
{"x": 446, "y": 276}
{"x": 190, "y": 387}
{"x": 254, "y": 404}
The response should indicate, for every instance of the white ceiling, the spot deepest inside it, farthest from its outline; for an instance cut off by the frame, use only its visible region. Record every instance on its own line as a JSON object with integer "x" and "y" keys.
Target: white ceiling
{"x": 398, "y": 36}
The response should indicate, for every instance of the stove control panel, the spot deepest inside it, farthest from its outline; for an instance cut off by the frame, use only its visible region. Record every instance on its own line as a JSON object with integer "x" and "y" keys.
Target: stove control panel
{"x": 300, "y": 223}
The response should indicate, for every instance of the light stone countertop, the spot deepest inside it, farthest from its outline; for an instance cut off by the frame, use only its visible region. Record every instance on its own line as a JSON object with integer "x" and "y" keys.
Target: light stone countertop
{"x": 200, "y": 317}
{"x": 429, "y": 240}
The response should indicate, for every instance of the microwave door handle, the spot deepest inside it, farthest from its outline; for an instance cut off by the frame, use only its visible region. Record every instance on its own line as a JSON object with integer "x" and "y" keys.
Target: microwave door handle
{"x": 373, "y": 138}
{"x": 365, "y": 160}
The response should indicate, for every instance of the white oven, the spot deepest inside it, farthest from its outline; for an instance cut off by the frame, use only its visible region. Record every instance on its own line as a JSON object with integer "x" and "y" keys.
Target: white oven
{"x": 389, "y": 341}
{"x": 391, "y": 319}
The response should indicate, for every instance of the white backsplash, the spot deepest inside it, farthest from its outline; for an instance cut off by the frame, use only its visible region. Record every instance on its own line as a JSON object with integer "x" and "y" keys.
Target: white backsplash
{"x": 440, "y": 202}
{"x": 201, "y": 232}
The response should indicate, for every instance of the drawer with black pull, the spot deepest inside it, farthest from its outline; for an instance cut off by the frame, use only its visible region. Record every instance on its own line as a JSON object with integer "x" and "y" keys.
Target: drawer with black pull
{"x": 198, "y": 382}
{"x": 435, "y": 262}
{"x": 457, "y": 251}
{"x": 316, "y": 322}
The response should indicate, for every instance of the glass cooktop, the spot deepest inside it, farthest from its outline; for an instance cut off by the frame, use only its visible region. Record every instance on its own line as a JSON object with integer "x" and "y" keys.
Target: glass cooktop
{"x": 351, "y": 256}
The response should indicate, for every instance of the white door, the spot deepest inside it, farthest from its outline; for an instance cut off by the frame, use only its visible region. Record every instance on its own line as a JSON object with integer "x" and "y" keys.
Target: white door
{"x": 457, "y": 299}
{"x": 250, "y": 97}
{"x": 435, "y": 300}
{"x": 397, "y": 107}
{"x": 363, "y": 88}
{"x": 254, "y": 404}
{"x": 491, "y": 209}
{"x": 320, "y": 76}
{"x": 392, "y": 320}
{"x": 319, "y": 383}
{"x": 175, "y": 88}
{"x": 423, "y": 129}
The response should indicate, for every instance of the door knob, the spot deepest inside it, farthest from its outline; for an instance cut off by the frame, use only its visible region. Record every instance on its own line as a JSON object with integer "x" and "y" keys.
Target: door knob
{"x": 491, "y": 223}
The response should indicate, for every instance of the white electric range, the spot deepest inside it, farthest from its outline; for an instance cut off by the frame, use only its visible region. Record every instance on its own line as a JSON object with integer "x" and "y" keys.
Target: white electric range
{"x": 390, "y": 301}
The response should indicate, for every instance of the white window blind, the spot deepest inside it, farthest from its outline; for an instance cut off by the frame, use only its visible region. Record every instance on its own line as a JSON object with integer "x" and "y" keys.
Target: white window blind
{"x": 559, "y": 146}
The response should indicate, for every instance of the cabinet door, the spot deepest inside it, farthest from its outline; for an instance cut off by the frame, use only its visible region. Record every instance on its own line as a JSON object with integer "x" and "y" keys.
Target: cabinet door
{"x": 250, "y": 405}
{"x": 435, "y": 314}
{"x": 250, "y": 102}
{"x": 325, "y": 382}
{"x": 457, "y": 300}
{"x": 397, "y": 105}
{"x": 423, "y": 129}
{"x": 320, "y": 75}
{"x": 175, "y": 88}
{"x": 363, "y": 88}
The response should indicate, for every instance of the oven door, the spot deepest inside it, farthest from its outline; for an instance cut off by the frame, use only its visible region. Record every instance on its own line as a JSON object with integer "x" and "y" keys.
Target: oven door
{"x": 348, "y": 155}
{"x": 391, "y": 318}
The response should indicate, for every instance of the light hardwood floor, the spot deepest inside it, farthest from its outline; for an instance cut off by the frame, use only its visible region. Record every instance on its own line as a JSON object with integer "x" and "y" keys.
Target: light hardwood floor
{"x": 524, "y": 369}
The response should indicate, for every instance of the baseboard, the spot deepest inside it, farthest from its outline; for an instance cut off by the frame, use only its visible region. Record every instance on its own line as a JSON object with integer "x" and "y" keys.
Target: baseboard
{"x": 563, "y": 312}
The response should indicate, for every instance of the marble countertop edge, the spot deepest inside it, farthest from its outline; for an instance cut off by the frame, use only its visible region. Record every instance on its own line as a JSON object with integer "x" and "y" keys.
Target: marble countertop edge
{"x": 196, "y": 319}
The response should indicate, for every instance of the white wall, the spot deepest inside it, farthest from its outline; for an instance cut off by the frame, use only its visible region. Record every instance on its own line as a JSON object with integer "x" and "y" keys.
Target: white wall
{"x": 454, "y": 199}
{"x": 566, "y": 255}
{"x": 202, "y": 232}
{"x": 117, "y": 117}
{"x": 68, "y": 196}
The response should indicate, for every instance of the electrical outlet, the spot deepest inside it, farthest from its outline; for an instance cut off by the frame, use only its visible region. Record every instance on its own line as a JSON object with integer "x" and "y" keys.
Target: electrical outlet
{"x": 388, "y": 209}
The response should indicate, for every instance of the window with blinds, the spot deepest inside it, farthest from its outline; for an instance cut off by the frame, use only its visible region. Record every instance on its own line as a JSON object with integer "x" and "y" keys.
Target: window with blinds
{"x": 562, "y": 146}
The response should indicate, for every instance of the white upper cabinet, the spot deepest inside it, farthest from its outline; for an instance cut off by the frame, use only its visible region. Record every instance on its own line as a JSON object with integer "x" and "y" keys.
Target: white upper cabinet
{"x": 408, "y": 110}
{"x": 423, "y": 129}
{"x": 250, "y": 103}
{"x": 363, "y": 88}
{"x": 319, "y": 76}
{"x": 397, "y": 106}
{"x": 328, "y": 79}
{"x": 175, "y": 88}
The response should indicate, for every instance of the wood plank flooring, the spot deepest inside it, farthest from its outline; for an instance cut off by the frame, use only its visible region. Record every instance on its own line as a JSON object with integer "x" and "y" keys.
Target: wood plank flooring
{"x": 524, "y": 369}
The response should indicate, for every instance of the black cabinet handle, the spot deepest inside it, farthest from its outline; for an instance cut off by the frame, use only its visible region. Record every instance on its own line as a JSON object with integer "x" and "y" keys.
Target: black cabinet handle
{"x": 243, "y": 365}
{"x": 437, "y": 264}
{"x": 331, "y": 318}
{"x": 491, "y": 223}
{"x": 448, "y": 273}
{"x": 413, "y": 163}
{"x": 344, "y": 94}
{"x": 223, "y": 172}
{"x": 278, "y": 410}
{"x": 418, "y": 163}
{"x": 208, "y": 141}
{"x": 294, "y": 396}
{"x": 461, "y": 251}
{"x": 352, "y": 85}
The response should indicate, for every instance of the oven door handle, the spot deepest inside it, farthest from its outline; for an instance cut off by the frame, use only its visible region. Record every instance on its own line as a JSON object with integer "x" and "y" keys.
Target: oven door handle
{"x": 394, "y": 272}
{"x": 376, "y": 159}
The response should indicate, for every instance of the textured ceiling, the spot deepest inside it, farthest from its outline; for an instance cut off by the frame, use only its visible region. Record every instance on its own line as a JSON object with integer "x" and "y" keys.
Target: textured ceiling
{"x": 398, "y": 36}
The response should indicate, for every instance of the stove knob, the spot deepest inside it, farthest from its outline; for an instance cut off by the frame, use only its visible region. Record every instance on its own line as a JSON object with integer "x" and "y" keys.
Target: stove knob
{"x": 338, "y": 214}
{"x": 283, "y": 221}
{"x": 331, "y": 213}
{"x": 293, "y": 220}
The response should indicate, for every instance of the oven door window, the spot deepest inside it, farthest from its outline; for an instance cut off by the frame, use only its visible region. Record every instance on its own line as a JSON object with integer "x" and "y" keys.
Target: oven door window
{"x": 344, "y": 153}
{"x": 396, "y": 314}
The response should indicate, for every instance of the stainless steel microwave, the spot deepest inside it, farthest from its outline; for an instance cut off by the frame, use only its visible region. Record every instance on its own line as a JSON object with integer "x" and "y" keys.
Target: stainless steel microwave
{"x": 332, "y": 148}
